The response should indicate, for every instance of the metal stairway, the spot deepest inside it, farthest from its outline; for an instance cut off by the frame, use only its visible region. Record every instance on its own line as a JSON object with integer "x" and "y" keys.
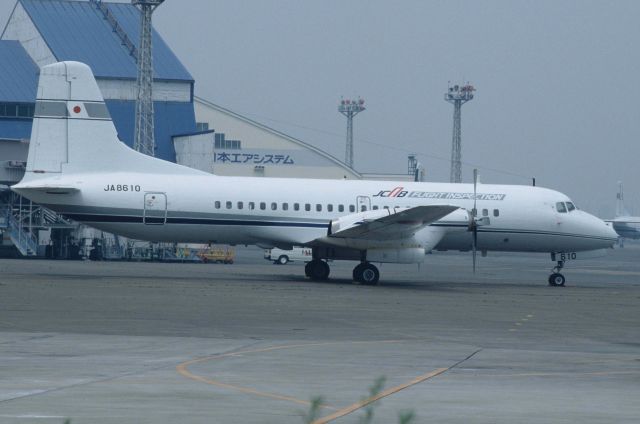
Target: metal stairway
{"x": 21, "y": 219}
{"x": 24, "y": 240}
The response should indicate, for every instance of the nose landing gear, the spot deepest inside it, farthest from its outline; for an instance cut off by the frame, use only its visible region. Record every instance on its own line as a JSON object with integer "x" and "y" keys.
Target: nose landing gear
{"x": 556, "y": 279}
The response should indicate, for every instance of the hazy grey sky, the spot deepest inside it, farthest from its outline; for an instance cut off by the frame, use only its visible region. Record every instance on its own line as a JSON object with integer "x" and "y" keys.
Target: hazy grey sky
{"x": 557, "y": 82}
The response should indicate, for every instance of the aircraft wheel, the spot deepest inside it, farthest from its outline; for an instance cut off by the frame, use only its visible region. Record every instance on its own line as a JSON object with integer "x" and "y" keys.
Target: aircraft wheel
{"x": 283, "y": 259}
{"x": 318, "y": 270}
{"x": 556, "y": 280}
{"x": 307, "y": 269}
{"x": 367, "y": 273}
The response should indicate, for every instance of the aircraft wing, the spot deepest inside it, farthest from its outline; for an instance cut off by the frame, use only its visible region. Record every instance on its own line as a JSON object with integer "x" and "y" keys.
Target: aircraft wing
{"x": 389, "y": 223}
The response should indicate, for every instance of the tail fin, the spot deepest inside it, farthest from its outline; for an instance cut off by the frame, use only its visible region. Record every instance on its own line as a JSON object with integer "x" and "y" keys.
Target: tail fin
{"x": 620, "y": 210}
{"x": 73, "y": 132}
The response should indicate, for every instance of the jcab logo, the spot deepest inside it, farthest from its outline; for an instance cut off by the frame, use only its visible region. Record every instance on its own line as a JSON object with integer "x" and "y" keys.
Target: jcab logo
{"x": 396, "y": 192}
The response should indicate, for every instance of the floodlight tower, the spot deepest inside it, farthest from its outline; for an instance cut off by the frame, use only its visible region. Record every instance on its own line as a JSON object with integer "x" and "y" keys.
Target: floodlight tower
{"x": 350, "y": 108}
{"x": 457, "y": 95}
{"x": 144, "y": 141}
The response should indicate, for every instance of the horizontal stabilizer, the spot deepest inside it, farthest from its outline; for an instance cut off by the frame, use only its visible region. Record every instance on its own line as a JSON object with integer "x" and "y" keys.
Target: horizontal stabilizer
{"x": 392, "y": 224}
{"x": 26, "y": 189}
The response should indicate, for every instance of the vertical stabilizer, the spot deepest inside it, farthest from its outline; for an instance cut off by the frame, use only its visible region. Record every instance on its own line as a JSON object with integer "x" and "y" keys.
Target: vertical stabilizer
{"x": 620, "y": 210}
{"x": 73, "y": 132}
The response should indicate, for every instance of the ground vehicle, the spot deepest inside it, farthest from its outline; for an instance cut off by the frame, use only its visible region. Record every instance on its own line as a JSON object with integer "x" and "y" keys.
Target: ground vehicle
{"x": 218, "y": 254}
{"x": 281, "y": 257}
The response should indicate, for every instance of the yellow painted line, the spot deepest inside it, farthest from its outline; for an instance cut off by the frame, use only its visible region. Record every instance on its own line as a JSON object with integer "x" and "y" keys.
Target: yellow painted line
{"x": 182, "y": 369}
{"x": 184, "y": 372}
{"x": 358, "y": 405}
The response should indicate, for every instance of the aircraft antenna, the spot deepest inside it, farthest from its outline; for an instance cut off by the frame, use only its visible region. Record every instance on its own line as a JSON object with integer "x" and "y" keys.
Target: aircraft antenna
{"x": 350, "y": 108}
{"x": 457, "y": 95}
{"x": 144, "y": 141}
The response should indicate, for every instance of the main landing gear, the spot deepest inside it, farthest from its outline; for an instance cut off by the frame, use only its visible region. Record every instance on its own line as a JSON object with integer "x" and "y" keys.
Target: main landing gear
{"x": 556, "y": 279}
{"x": 364, "y": 273}
{"x": 317, "y": 270}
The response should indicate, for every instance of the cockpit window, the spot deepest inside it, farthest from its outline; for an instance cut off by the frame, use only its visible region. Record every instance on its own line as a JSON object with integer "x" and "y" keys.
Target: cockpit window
{"x": 570, "y": 207}
{"x": 560, "y": 207}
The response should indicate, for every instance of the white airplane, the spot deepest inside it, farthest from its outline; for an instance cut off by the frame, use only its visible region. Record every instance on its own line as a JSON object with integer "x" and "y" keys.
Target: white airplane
{"x": 79, "y": 168}
{"x": 624, "y": 224}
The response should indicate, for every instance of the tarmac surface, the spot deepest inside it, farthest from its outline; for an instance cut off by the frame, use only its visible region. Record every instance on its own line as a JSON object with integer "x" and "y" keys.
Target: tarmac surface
{"x": 122, "y": 342}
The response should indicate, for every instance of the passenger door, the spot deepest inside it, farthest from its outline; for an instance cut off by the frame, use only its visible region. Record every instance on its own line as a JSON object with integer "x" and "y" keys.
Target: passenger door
{"x": 155, "y": 208}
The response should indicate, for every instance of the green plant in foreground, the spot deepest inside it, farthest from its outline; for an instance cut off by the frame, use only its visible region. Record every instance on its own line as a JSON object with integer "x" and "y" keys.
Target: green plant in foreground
{"x": 374, "y": 391}
{"x": 314, "y": 410}
{"x": 404, "y": 417}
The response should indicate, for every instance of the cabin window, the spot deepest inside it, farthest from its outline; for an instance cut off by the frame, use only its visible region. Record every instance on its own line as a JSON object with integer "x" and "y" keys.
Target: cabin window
{"x": 570, "y": 206}
{"x": 240, "y": 205}
{"x": 285, "y": 206}
{"x": 229, "y": 205}
{"x": 363, "y": 208}
{"x": 496, "y": 212}
{"x": 375, "y": 207}
{"x": 263, "y": 205}
{"x": 485, "y": 212}
{"x": 386, "y": 207}
{"x": 318, "y": 207}
{"x": 252, "y": 205}
{"x": 560, "y": 207}
{"x": 352, "y": 208}
{"x": 329, "y": 208}
{"x": 296, "y": 206}
{"x": 307, "y": 207}
{"x": 217, "y": 204}
{"x": 340, "y": 208}
{"x": 274, "y": 206}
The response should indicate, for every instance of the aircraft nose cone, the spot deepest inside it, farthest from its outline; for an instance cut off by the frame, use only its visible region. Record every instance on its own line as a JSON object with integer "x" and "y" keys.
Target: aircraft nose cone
{"x": 605, "y": 232}
{"x": 611, "y": 232}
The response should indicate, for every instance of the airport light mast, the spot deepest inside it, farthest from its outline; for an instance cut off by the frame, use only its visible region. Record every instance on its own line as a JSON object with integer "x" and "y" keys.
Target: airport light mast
{"x": 350, "y": 108}
{"x": 457, "y": 95}
{"x": 144, "y": 140}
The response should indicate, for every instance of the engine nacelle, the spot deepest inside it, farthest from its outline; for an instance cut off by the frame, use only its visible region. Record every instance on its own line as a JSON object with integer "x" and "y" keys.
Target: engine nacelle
{"x": 397, "y": 256}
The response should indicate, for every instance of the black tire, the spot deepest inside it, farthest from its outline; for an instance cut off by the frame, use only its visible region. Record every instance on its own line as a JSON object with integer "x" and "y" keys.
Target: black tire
{"x": 283, "y": 259}
{"x": 357, "y": 273}
{"x": 307, "y": 269}
{"x": 556, "y": 280}
{"x": 369, "y": 275}
{"x": 319, "y": 270}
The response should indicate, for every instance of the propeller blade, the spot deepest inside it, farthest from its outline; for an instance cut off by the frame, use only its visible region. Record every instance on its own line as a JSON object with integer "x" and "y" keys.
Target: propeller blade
{"x": 474, "y": 246}
{"x": 475, "y": 189}
{"x": 474, "y": 225}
